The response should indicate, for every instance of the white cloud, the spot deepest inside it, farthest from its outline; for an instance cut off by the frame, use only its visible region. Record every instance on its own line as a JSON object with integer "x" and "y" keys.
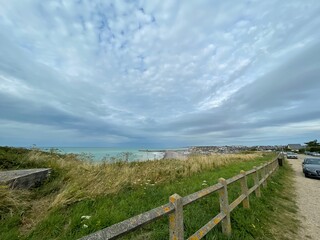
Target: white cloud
{"x": 136, "y": 67}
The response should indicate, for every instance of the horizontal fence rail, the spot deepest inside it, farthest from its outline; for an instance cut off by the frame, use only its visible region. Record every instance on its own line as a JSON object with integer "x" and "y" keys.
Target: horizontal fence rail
{"x": 174, "y": 209}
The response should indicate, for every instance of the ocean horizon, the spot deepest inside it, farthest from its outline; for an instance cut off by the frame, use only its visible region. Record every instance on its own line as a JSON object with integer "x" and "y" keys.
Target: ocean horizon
{"x": 111, "y": 153}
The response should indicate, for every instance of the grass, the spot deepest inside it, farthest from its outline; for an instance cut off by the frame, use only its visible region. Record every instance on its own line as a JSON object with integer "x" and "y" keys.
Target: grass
{"x": 110, "y": 193}
{"x": 82, "y": 179}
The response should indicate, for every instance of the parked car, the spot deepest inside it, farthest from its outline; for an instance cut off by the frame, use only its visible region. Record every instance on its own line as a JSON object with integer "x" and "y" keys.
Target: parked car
{"x": 315, "y": 154}
{"x": 311, "y": 167}
{"x": 283, "y": 153}
{"x": 292, "y": 155}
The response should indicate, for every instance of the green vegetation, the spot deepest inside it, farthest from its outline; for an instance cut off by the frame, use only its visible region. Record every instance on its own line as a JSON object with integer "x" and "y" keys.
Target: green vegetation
{"x": 313, "y": 146}
{"x": 110, "y": 193}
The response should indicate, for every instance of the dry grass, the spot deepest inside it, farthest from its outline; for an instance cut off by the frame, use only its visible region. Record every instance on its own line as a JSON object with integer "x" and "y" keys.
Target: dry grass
{"x": 37, "y": 211}
{"x": 87, "y": 180}
{"x": 12, "y": 201}
{"x": 73, "y": 180}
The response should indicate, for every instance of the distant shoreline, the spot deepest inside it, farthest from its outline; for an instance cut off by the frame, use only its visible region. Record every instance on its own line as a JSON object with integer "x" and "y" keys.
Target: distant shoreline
{"x": 148, "y": 150}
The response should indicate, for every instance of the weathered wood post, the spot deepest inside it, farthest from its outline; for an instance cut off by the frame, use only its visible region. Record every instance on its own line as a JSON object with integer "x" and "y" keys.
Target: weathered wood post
{"x": 280, "y": 159}
{"x": 256, "y": 182}
{"x": 267, "y": 170}
{"x": 270, "y": 168}
{"x": 244, "y": 189}
{"x": 263, "y": 171}
{"x": 224, "y": 207}
{"x": 176, "y": 218}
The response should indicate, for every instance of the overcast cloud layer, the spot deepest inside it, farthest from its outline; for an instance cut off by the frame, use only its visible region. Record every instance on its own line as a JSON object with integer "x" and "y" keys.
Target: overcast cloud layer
{"x": 159, "y": 73}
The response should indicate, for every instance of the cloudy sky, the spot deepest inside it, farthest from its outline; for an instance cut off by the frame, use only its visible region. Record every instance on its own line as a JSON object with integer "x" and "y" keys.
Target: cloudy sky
{"x": 159, "y": 73}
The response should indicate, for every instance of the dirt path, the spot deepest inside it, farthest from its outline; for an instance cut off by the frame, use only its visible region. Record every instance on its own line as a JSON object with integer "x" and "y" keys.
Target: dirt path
{"x": 308, "y": 200}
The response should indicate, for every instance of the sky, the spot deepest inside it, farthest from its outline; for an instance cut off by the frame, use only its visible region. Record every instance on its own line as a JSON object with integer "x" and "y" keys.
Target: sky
{"x": 159, "y": 73}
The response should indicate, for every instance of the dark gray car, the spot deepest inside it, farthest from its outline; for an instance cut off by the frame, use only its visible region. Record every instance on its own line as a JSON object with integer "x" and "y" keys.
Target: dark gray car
{"x": 311, "y": 167}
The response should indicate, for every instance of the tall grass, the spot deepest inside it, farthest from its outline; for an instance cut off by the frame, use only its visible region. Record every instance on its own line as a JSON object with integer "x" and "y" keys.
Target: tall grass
{"x": 11, "y": 201}
{"x": 270, "y": 217}
{"x": 74, "y": 180}
{"x": 83, "y": 179}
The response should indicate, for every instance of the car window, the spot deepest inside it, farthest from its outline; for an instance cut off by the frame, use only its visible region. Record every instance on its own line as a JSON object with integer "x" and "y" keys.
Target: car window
{"x": 312, "y": 161}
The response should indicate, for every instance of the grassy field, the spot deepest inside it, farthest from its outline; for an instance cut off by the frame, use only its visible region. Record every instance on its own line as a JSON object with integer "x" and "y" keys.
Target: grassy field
{"x": 110, "y": 193}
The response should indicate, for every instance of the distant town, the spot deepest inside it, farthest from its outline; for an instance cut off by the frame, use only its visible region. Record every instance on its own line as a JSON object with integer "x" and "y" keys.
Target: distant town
{"x": 239, "y": 148}
{"x": 232, "y": 149}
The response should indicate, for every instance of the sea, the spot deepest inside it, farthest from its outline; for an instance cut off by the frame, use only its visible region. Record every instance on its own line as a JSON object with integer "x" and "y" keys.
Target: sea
{"x": 112, "y": 154}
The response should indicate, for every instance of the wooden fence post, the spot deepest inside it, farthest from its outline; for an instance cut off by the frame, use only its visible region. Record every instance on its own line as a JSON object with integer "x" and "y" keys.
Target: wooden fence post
{"x": 263, "y": 171}
{"x": 224, "y": 207}
{"x": 244, "y": 189}
{"x": 176, "y": 218}
{"x": 256, "y": 182}
{"x": 275, "y": 163}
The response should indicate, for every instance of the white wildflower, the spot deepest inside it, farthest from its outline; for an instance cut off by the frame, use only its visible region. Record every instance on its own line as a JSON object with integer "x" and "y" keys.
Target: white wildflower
{"x": 85, "y": 226}
{"x": 85, "y": 217}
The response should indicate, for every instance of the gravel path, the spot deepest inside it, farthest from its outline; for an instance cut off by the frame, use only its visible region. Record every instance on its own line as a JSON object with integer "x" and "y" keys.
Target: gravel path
{"x": 308, "y": 200}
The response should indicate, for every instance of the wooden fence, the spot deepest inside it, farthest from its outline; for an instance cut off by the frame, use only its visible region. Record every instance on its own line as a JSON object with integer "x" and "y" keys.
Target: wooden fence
{"x": 176, "y": 203}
